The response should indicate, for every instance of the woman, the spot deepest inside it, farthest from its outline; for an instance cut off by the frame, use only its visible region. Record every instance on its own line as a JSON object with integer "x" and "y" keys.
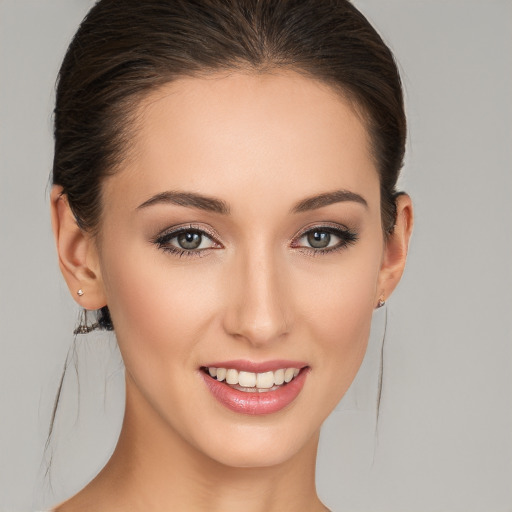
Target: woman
{"x": 224, "y": 196}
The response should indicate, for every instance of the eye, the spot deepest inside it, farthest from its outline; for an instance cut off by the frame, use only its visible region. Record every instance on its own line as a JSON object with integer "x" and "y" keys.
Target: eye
{"x": 322, "y": 239}
{"x": 190, "y": 240}
{"x": 186, "y": 241}
{"x": 319, "y": 239}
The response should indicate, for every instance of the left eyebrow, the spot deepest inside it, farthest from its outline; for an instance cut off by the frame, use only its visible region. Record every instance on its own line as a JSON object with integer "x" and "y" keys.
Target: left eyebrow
{"x": 321, "y": 200}
{"x": 189, "y": 200}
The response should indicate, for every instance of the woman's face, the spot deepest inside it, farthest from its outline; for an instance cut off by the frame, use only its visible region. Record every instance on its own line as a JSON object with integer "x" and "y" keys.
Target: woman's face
{"x": 243, "y": 232}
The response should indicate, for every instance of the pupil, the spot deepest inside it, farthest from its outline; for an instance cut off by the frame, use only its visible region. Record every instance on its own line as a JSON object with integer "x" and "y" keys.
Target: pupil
{"x": 189, "y": 240}
{"x": 319, "y": 239}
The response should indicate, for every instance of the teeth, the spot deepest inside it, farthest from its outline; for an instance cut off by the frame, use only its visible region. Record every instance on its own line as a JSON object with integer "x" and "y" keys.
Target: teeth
{"x": 232, "y": 376}
{"x": 288, "y": 374}
{"x": 265, "y": 380}
{"x": 249, "y": 381}
{"x": 279, "y": 377}
{"x": 255, "y": 389}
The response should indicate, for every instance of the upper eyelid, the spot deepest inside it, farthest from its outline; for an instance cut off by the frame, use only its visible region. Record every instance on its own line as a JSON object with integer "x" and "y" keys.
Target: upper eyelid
{"x": 176, "y": 230}
{"x": 334, "y": 226}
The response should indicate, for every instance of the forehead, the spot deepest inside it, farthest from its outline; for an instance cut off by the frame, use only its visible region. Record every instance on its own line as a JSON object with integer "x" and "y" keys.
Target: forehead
{"x": 234, "y": 133}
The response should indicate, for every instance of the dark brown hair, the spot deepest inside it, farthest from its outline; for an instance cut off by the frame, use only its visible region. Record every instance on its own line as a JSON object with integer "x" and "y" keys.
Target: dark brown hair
{"x": 124, "y": 49}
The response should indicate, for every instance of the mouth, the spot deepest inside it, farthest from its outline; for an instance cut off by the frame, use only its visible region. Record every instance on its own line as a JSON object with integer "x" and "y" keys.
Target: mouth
{"x": 255, "y": 392}
{"x": 252, "y": 382}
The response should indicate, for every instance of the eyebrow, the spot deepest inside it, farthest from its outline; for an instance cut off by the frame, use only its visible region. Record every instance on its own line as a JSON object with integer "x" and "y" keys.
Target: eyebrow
{"x": 189, "y": 200}
{"x": 321, "y": 200}
{"x": 194, "y": 200}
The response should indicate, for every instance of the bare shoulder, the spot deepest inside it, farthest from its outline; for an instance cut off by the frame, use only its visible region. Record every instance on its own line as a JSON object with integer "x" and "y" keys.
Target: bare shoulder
{"x": 95, "y": 497}
{"x": 78, "y": 503}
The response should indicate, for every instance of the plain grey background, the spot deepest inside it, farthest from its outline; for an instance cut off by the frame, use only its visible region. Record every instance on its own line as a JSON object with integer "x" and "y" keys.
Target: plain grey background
{"x": 444, "y": 436}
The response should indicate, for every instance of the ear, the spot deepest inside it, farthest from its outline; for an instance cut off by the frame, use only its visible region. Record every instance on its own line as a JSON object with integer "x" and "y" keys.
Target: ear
{"x": 395, "y": 249}
{"x": 77, "y": 251}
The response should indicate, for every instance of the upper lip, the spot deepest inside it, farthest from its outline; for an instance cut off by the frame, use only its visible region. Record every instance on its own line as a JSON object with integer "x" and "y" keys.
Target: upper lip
{"x": 256, "y": 367}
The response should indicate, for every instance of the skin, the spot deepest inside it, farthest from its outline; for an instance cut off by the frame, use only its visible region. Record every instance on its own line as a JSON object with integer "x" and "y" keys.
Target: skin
{"x": 261, "y": 143}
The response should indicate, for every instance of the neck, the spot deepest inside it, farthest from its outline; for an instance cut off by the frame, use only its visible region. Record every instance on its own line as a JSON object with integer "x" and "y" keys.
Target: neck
{"x": 154, "y": 468}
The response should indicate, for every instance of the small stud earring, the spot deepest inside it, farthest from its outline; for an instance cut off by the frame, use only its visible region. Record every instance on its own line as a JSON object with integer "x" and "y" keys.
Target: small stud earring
{"x": 381, "y": 302}
{"x": 80, "y": 292}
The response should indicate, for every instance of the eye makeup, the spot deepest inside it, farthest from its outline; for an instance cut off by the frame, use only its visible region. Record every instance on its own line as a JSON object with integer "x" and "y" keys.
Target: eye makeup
{"x": 324, "y": 238}
{"x": 195, "y": 240}
{"x": 189, "y": 240}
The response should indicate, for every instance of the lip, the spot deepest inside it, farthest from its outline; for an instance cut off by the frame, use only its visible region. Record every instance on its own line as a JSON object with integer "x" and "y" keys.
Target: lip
{"x": 267, "y": 402}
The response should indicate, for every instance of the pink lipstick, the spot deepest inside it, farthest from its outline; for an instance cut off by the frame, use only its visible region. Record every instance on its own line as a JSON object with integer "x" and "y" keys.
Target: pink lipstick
{"x": 255, "y": 388}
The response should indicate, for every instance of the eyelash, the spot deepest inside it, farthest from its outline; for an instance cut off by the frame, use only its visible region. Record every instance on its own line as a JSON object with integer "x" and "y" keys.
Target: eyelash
{"x": 347, "y": 238}
{"x": 162, "y": 241}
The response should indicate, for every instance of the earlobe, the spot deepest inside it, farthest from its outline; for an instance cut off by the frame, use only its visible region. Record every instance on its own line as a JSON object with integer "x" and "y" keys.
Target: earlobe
{"x": 78, "y": 257}
{"x": 396, "y": 248}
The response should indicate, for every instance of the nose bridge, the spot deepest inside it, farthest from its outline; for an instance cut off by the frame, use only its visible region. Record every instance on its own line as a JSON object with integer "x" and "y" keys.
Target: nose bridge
{"x": 258, "y": 308}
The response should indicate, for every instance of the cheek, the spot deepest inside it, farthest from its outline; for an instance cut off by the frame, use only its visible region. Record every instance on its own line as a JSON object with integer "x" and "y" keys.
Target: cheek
{"x": 338, "y": 308}
{"x": 158, "y": 309}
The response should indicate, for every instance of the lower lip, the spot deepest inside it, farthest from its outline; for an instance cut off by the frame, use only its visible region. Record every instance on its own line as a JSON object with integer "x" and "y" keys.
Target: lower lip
{"x": 266, "y": 402}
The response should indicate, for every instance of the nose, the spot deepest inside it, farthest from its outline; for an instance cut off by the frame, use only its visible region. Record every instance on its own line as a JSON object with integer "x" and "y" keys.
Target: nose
{"x": 258, "y": 308}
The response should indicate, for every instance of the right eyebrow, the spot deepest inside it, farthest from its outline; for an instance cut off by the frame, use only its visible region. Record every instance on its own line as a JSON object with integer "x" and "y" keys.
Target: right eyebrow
{"x": 328, "y": 198}
{"x": 189, "y": 200}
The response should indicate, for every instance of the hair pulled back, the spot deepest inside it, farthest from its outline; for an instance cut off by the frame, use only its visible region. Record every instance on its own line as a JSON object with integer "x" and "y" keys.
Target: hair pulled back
{"x": 125, "y": 49}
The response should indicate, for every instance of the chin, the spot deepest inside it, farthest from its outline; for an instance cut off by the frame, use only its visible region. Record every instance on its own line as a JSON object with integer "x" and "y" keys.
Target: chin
{"x": 258, "y": 450}
{"x": 249, "y": 442}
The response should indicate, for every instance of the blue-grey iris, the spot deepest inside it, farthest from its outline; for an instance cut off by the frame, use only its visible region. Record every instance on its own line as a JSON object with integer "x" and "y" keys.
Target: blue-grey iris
{"x": 189, "y": 240}
{"x": 319, "y": 239}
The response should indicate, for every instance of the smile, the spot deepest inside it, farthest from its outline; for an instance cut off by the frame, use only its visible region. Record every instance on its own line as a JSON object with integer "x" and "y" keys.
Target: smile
{"x": 251, "y": 382}
{"x": 255, "y": 392}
